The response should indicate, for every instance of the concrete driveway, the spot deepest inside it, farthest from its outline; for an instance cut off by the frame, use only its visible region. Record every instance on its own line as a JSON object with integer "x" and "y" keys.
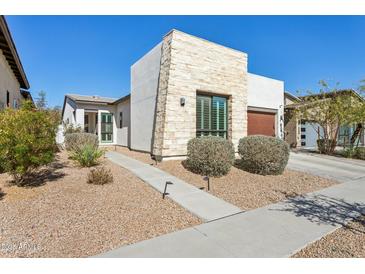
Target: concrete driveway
{"x": 336, "y": 168}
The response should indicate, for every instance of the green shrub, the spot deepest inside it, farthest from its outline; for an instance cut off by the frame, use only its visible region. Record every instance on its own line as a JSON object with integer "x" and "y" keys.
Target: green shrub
{"x": 100, "y": 176}
{"x": 326, "y": 146}
{"x": 27, "y": 140}
{"x": 360, "y": 153}
{"x": 75, "y": 141}
{"x": 86, "y": 155}
{"x": 263, "y": 154}
{"x": 349, "y": 152}
{"x": 210, "y": 156}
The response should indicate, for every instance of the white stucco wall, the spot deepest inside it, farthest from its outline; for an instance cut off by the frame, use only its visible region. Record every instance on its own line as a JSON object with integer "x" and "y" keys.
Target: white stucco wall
{"x": 144, "y": 84}
{"x": 123, "y": 133}
{"x": 8, "y": 82}
{"x": 68, "y": 113}
{"x": 267, "y": 93}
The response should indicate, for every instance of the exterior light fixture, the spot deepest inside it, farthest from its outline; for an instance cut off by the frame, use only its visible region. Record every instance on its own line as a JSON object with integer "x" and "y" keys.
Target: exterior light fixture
{"x": 182, "y": 101}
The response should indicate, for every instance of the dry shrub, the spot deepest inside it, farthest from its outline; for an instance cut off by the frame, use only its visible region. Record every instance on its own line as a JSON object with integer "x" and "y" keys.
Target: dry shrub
{"x": 74, "y": 141}
{"x": 100, "y": 176}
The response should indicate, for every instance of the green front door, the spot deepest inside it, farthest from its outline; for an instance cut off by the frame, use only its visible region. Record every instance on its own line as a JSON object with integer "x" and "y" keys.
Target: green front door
{"x": 106, "y": 128}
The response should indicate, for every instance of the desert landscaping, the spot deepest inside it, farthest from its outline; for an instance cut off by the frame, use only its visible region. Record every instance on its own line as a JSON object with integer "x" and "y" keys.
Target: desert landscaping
{"x": 241, "y": 188}
{"x": 60, "y": 215}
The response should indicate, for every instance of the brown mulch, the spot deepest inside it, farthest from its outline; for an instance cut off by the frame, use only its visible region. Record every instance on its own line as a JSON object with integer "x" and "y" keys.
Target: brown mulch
{"x": 59, "y": 215}
{"x": 241, "y": 188}
{"x": 345, "y": 242}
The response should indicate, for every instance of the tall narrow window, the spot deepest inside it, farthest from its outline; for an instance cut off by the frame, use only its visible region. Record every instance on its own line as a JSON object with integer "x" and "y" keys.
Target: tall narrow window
{"x": 7, "y": 98}
{"x": 86, "y": 123}
{"x": 106, "y": 127}
{"x": 121, "y": 119}
{"x": 211, "y": 116}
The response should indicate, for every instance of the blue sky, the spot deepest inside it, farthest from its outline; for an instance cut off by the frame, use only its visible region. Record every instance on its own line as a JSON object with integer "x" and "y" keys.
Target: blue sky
{"x": 93, "y": 54}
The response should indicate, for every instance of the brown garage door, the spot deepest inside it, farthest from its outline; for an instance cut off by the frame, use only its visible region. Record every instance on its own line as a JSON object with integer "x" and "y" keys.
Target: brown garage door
{"x": 262, "y": 123}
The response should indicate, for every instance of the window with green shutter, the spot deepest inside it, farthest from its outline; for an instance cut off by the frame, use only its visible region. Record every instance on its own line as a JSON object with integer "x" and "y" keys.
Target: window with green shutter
{"x": 211, "y": 116}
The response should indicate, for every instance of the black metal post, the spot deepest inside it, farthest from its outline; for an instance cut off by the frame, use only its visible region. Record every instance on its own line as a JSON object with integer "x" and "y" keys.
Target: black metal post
{"x": 206, "y": 178}
{"x": 164, "y": 192}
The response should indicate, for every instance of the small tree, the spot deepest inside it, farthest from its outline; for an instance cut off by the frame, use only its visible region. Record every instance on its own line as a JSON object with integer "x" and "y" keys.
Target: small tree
{"x": 359, "y": 131}
{"x": 41, "y": 101}
{"x": 331, "y": 108}
{"x": 27, "y": 140}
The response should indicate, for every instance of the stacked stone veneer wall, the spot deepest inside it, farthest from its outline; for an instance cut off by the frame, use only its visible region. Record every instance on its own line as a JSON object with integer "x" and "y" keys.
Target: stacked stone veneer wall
{"x": 190, "y": 65}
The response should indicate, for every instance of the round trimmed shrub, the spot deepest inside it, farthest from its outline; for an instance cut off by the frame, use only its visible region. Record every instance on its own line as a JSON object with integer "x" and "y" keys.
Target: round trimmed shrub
{"x": 263, "y": 154}
{"x": 210, "y": 156}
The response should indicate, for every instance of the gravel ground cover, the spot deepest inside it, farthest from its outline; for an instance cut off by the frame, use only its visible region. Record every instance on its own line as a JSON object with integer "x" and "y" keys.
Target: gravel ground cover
{"x": 345, "y": 242}
{"x": 140, "y": 156}
{"x": 60, "y": 215}
{"x": 243, "y": 189}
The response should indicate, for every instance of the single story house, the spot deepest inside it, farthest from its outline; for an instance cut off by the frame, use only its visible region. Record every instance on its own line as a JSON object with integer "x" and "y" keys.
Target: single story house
{"x": 304, "y": 134}
{"x": 184, "y": 87}
{"x": 13, "y": 80}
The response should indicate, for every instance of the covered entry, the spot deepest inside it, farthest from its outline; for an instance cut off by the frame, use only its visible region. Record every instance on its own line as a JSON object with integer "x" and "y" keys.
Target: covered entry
{"x": 261, "y": 123}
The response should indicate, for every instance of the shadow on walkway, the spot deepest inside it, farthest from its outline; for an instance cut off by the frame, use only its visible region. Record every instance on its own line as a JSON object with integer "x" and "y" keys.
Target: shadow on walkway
{"x": 325, "y": 210}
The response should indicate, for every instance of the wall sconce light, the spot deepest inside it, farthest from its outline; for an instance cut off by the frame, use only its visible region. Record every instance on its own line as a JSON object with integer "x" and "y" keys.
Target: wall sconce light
{"x": 182, "y": 101}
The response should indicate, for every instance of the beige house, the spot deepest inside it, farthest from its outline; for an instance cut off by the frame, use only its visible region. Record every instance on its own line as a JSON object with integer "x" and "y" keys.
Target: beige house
{"x": 304, "y": 134}
{"x": 13, "y": 80}
{"x": 183, "y": 88}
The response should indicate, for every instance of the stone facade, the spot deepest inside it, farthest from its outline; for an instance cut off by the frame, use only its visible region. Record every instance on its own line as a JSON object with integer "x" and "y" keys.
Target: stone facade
{"x": 191, "y": 65}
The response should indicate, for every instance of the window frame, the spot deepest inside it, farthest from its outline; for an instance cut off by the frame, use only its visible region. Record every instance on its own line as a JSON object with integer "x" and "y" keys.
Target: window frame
{"x": 86, "y": 122}
{"x": 102, "y": 133}
{"x": 210, "y": 131}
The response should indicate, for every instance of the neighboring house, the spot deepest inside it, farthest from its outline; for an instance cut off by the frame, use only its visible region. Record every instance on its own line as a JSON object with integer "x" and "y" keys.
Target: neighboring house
{"x": 184, "y": 87}
{"x": 109, "y": 118}
{"x": 304, "y": 134}
{"x": 13, "y": 80}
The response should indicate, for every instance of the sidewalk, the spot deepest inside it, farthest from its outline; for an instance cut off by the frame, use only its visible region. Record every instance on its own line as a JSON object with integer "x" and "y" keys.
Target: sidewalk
{"x": 200, "y": 203}
{"x": 277, "y": 230}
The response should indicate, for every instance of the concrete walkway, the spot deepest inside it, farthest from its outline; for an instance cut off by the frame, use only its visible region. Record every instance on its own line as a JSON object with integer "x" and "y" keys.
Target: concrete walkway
{"x": 277, "y": 230}
{"x": 200, "y": 203}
